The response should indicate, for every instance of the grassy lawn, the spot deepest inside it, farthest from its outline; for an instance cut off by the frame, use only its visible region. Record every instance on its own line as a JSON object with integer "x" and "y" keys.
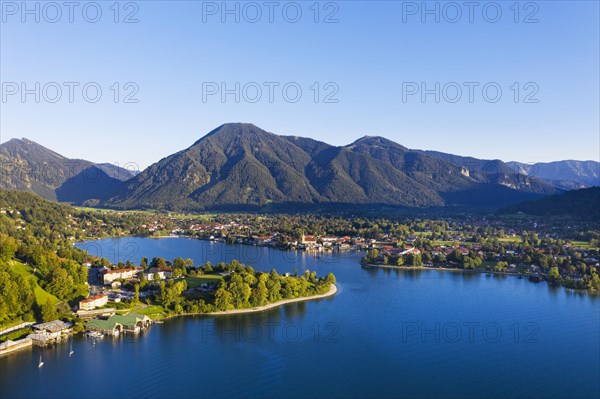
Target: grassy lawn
{"x": 442, "y": 242}
{"x": 15, "y": 335}
{"x": 153, "y": 311}
{"x": 106, "y": 210}
{"x": 195, "y": 282}
{"x": 199, "y": 216}
{"x": 41, "y": 296}
{"x": 510, "y": 239}
{"x": 584, "y": 245}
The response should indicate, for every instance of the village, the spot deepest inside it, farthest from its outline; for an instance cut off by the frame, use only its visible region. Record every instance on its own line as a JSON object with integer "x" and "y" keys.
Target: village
{"x": 533, "y": 251}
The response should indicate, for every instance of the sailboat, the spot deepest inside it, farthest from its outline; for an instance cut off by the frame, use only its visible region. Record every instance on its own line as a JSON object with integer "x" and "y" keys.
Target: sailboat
{"x": 40, "y": 364}
{"x": 71, "y": 351}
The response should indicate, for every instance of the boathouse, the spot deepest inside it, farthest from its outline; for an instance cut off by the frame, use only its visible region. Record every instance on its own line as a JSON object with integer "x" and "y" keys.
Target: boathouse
{"x": 114, "y": 325}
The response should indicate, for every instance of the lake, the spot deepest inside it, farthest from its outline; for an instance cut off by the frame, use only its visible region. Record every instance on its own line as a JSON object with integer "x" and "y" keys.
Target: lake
{"x": 386, "y": 333}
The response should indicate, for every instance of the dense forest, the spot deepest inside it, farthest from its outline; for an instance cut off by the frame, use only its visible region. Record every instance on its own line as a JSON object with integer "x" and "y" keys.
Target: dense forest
{"x": 242, "y": 288}
{"x": 581, "y": 204}
{"x": 39, "y": 266}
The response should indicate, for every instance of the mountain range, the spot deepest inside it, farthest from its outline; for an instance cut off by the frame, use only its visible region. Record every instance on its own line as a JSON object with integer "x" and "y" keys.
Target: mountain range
{"x": 240, "y": 165}
{"x": 569, "y": 175}
{"x": 28, "y": 166}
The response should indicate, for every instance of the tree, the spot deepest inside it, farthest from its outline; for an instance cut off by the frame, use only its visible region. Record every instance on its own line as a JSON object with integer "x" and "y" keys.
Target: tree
{"x": 594, "y": 284}
{"x": 223, "y": 298}
{"x": 500, "y": 266}
{"x": 330, "y": 278}
{"x": 554, "y": 276}
{"x": 61, "y": 284}
{"x": 399, "y": 260}
{"x": 274, "y": 287}
{"x": 240, "y": 291}
{"x": 259, "y": 295}
{"x": 207, "y": 267}
{"x": 136, "y": 293}
{"x": 372, "y": 256}
{"x": 158, "y": 263}
{"x": 8, "y": 247}
{"x": 49, "y": 311}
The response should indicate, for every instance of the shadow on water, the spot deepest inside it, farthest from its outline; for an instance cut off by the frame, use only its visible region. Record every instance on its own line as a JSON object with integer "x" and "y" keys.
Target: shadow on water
{"x": 297, "y": 309}
{"x": 371, "y": 271}
{"x": 411, "y": 274}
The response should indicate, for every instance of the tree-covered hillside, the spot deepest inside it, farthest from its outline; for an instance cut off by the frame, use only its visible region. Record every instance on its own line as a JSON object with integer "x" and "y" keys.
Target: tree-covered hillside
{"x": 581, "y": 204}
{"x": 239, "y": 164}
{"x": 38, "y": 263}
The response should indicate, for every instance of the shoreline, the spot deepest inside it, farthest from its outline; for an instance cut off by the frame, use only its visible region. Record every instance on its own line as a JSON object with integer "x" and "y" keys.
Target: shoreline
{"x": 332, "y": 291}
{"x": 443, "y": 269}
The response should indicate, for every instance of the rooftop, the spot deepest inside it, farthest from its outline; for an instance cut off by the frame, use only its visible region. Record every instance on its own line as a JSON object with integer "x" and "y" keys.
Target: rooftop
{"x": 93, "y": 298}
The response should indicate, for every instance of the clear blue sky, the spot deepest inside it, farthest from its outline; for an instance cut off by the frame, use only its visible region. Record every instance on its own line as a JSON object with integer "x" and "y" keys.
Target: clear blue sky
{"x": 369, "y": 55}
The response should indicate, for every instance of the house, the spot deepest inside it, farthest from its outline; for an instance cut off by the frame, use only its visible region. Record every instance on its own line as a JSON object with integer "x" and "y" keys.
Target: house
{"x": 90, "y": 314}
{"x": 93, "y": 302}
{"x": 53, "y": 329}
{"x": 117, "y": 274}
{"x": 161, "y": 273}
{"x": 329, "y": 241}
{"x": 411, "y": 250}
{"x": 308, "y": 240}
{"x": 411, "y": 239}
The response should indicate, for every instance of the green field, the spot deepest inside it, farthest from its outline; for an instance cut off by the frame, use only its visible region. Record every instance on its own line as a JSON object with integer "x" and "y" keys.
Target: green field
{"x": 41, "y": 296}
{"x": 441, "y": 242}
{"x": 155, "y": 312}
{"x": 584, "y": 245}
{"x": 510, "y": 239}
{"x": 200, "y": 216}
{"x": 195, "y": 282}
{"x": 107, "y": 210}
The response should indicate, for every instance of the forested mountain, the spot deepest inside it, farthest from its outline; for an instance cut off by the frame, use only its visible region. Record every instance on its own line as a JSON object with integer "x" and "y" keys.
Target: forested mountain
{"x": 28, "y": 166}
{"x": 581, "y": 204}
{"x": 565, "y": 174}
{"x": 241, "y": 164}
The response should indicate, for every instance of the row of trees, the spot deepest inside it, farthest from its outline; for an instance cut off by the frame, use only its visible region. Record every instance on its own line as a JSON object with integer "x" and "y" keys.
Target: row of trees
{"x": 409, "y": 259}
{"x": 249, "y": 288}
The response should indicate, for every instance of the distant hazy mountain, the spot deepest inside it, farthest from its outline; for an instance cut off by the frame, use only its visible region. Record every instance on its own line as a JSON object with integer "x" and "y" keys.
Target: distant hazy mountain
{"x": 565, "y": 174}
{"x": 498, "y": 172}
{"x": 28, "y": 166}
{"x": 580, "y": 204}
{"x": 241, "y": 164}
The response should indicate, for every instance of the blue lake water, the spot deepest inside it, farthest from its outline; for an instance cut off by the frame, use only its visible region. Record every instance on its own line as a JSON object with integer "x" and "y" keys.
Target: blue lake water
{"x": 386, "y": 333}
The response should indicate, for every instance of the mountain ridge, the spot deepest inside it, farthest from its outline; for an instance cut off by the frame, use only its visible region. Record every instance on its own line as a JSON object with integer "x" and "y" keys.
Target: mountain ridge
{"x": 241, "y": 164}
{"x": 28, "y": 166}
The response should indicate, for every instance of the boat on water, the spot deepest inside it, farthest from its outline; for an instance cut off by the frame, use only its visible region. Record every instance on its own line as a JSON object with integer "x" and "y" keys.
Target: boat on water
{"x": 71, "y": 351}
{"x": 41, "y": 363}
{"x": 94, "y": 334}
